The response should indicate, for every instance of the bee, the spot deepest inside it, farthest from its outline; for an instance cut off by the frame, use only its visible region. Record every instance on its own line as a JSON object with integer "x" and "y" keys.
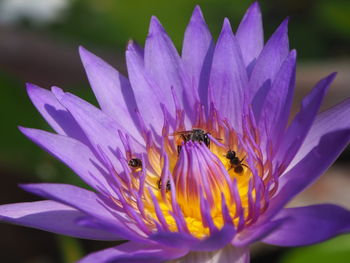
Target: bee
{"x": 135, "y": 163}
{"x": 167, "y": 185}
{"x": 235, "y": 162}
{"x": 195, "y": 135}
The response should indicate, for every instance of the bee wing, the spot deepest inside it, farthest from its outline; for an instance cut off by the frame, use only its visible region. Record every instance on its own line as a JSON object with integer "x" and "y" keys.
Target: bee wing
{"x": 180, "y": 133}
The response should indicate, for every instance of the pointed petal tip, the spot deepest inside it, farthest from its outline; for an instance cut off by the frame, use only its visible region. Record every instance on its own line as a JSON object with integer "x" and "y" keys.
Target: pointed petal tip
{"x": 23, "y": 186}
{"x": 226, "y": 27}
{"x": 29, "y": 85}
{"x": 86, "y": 56}
{"x": 227, "y": 22}
{"x": 28, "y": 132}
{"x": 333, "y": 75}
{"x": 130, "y": 42}
{"x": 329, "y": 79}
{"x": 282, "y": 28}
{"x": 31, "y": 88}
{"x": 130, "y": 45}
{"x": 34, "y": 188}
{"x": 22, "y": 129}
{"x": 197, "y": 8}
{"x": 285, "y": 22}
{"x": 197, "y": 15}
{"x": 154, "y": 19}
{"x": 133, "y": 47}
{"x": 83, "y": 52}
{"x": 255, "y": 6}
{"x": 29, "y": 186}
{"x": 82, "y": 49}
{"x": 155, "y": 26}
{"x": 281, "y": 34}
{"x": 253, "y": 13}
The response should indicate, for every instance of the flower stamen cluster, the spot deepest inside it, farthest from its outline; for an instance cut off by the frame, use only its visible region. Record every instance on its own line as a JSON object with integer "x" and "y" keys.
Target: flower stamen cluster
{"x": 188, "y": 186}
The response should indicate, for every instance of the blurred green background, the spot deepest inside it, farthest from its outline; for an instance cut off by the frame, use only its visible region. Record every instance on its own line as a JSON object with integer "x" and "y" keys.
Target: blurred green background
{"x": 38, "y": 44}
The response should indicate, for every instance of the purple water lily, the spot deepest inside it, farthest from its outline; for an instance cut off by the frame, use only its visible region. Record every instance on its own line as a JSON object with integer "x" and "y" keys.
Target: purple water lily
{"x": 191, "y": 159}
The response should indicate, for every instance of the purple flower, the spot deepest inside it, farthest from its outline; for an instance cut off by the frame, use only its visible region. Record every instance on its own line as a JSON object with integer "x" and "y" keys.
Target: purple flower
{"x": 191, "y": 159}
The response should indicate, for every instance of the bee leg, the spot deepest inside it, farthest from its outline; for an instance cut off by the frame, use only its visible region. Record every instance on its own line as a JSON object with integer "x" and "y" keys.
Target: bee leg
{"x": 179, "y": 147}
{"x": 246, "y": 166}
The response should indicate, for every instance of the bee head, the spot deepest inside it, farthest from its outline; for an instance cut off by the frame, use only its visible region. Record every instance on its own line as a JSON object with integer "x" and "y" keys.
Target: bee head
{"x": 230, "y": 154}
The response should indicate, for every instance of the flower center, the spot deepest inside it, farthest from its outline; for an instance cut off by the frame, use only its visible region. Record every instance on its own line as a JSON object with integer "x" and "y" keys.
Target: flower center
{"x": 194, "y": 180}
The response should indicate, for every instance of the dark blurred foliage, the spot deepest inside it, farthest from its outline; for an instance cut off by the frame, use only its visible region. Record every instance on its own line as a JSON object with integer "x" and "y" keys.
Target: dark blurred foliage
{"x": 45, "y": 53}
{"x": 319, "y": 28}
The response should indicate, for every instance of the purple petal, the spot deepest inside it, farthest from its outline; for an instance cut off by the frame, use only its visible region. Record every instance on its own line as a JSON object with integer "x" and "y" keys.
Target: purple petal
{"x": 163, "y": 64}
{"x": 250, "y": 34}
{"x": 309, "y": 225}
{"x": 174, "y": 239}
{"x": 134, "y": 252}
{"x": 101, "y": 130}
{"x": 229, "y": 254}
{"x": 335, "y": 118}
{"x": 112, "y": 91}
{"x": 228, "y": 77}
{"x": 270, "y": 59}
{"x": 53, "y": 217}
{"x": 84, "y": 200}
{"x": 308, "y": 169}
{"x": 216, "y": 240}
{"x": 55, "y": 114}
{"x": 278, "y": 101}
{"x": 149, "y": 96}
{"x": 302, "y": 122}
{"x": 256, "y": 232}
{"x": 73, "y": 153}
{"x": 197, "y": 53}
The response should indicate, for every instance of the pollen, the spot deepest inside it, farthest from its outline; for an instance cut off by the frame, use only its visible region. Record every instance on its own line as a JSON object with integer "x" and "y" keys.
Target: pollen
{"x": 198, "y": 179}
